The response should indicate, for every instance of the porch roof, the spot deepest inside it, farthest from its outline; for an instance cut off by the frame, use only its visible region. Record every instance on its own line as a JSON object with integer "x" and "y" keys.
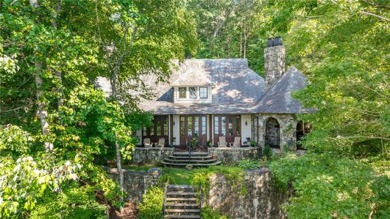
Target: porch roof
{"x": 165, "y": 108}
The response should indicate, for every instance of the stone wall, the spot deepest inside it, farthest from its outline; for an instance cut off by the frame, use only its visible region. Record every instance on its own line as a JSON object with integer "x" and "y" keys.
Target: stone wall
{"x": 233, "y": 155}
{"x": 225, "y": 155}
{"x": 150, "y": 155}
{"x": 136, "y": 183}
{"x": 260, "y": 200}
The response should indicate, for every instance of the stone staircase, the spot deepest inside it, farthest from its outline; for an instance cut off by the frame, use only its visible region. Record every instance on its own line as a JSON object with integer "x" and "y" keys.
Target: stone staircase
{"x": 181, "y": 202}
{"x": 183, "y": 158}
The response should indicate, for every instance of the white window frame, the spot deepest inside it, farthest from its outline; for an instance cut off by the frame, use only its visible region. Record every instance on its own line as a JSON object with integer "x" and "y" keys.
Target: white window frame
{"x": 207, "y": 93}
{"x": 186, "y": 91}
{"x": 196, "y": 93}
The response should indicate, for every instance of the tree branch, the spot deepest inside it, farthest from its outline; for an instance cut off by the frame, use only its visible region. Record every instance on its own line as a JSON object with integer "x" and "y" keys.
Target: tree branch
{"x": 375, "y": 15}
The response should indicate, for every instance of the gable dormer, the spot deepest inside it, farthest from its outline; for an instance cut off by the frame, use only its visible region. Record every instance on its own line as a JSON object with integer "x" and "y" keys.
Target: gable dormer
{"x": 193, "y": 85}
{"x": 192, "y": 94}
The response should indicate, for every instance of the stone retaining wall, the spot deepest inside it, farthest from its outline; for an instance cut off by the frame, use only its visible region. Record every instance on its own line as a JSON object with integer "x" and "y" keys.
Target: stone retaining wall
{"x": 260, "y": 200}
{"x": 150, "y": 155}
{"x": 233, "y": 155}
{"x": 136, "y": 183}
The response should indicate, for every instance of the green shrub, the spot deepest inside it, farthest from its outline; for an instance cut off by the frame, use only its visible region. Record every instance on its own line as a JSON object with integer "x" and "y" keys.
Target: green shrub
{"x": 248, "y": 164}
{"x": 267, "y": 152}
{"x": 327, "y": 185}
{"x": 209, "y": 213}
{"x": 151, "y": 206}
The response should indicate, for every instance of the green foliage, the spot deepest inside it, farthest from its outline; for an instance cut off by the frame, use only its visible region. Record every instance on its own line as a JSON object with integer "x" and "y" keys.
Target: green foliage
{"x": 229, "y": 29}
{"x": 249, "y": 164}
{"x": 66, "y": 45}
{"x": 152, "y": 202}
{"x": 267, "y": 152}
{"x": 326, "y": 185}
{"x": 209, "y": 213}
{"x": 138, "y": 119}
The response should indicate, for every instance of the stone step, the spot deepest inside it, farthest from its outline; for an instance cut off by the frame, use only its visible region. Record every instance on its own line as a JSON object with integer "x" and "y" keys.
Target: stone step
{"x": 194, "y": 164}
{"x": 181, "y": 205}
{"x": 183, "y": 216}
{"x": 190, "y": 160}
{"x": 170, "y": 199}
{"x": 186, "y": 153}
{"x": 182, "y": 210}
{"x": 192, "y": 157}
{"x": 180, "y": 188}
{"x": 181, "y": 193}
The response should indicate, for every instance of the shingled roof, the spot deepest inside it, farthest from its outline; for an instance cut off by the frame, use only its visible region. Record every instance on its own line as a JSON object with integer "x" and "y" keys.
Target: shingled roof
{"x": 235, "y": 87}
{"x": 278, "y": 98}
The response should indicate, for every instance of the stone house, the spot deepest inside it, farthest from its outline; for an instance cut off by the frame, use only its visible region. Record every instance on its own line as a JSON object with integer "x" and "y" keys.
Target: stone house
{"x": 214, "y": 99}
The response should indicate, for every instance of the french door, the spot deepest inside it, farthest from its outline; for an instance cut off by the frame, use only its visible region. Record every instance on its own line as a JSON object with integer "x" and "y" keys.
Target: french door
{"x": 193, "y": 126}
{"x": 158, "y": 130}
{"x": 228, "y": 126}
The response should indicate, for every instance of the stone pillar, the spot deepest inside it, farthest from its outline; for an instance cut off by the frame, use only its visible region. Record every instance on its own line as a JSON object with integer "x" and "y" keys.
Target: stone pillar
{"x": 274, "y": 61}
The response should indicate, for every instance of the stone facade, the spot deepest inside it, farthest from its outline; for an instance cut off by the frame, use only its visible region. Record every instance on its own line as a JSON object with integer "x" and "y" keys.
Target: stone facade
{"x": 287, "y": 129}
{"x": 260, "y": 200}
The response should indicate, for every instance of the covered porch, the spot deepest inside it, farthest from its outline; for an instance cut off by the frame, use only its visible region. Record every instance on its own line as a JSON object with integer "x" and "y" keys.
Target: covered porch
{"x": 208, "y": 130}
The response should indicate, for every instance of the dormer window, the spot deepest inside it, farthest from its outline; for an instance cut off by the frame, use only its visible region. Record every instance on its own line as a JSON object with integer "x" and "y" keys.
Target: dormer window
{"x": 193, "y": 93}
{"x": 203, "y": 93}
{"x": 182, "y": 93}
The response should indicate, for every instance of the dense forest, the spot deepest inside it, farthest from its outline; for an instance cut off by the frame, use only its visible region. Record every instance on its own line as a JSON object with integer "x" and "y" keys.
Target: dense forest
{"x": 56, "y": 129}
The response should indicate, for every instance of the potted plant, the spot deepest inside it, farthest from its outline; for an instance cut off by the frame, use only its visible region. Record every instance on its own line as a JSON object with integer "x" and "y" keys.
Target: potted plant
{"x": 189, "y": 166}
{"x": 209, "y": 143}
{"x": 253, "y": 143}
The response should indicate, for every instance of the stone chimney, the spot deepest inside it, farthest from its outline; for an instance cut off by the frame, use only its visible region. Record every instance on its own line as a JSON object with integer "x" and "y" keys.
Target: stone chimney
{"x": 274, "y": 61}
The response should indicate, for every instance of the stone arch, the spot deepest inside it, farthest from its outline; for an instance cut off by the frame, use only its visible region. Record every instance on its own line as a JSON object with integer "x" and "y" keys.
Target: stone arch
{"x": 272, "y": 133}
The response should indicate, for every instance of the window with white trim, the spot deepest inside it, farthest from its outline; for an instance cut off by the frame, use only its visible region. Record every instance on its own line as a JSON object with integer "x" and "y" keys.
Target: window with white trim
{"x": 182, "y": 93}
{"x": 203, "y": 93}
{"x": 193, "y": 91}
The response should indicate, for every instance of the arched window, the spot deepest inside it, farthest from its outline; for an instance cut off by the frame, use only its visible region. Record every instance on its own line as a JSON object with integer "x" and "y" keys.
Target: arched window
{"x": 272, "y": 133}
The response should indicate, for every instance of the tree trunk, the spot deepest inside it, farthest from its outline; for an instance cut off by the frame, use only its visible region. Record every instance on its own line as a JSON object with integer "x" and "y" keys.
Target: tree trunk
{"x": 42, "y": 111}
{"x": 120, "y": 170}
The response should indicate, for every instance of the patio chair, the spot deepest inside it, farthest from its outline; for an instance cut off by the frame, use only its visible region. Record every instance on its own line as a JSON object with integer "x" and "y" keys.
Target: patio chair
{"x": 222, "y": 142}
{"x": 147, "y": 143}
{"x": 236, "y": 143}
{"x": 161, "y": 142}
